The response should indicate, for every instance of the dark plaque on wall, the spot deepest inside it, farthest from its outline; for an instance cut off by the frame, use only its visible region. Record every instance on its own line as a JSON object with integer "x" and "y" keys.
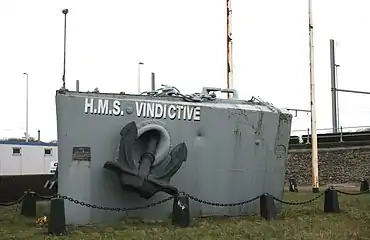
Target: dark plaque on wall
{"x": 81, "y": 154}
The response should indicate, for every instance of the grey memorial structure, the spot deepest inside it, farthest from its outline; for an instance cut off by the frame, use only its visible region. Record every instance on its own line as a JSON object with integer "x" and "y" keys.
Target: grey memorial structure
{"x": 124, "y": 150}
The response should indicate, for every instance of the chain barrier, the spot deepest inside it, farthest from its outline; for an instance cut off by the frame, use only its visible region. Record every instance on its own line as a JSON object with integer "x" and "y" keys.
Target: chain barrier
{"x": 24, "y": 195}
{"x": 222, "y": 204}
{"x": 252, "y": 200}
{"x": 44, "y": 197}
{"x": 115, "y": 209}
{"x": 15, "y": 202}
{"x": 353, "y": 194}
{"x": 196, "y": 199}
{"x": 299, "y": 203}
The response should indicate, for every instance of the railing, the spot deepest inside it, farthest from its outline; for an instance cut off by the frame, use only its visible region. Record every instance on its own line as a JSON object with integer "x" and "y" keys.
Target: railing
{"x": 326, "y": 135}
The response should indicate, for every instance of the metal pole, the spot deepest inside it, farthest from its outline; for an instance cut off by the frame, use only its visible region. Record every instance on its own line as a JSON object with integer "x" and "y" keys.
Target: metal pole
{"x": 65, "y": 11}
{"x": 77, "y": 85}
{"x": 230, "y": 80}
{"x": 315, "y": 167}
{"x": 336, "y": 90}
{"x": 337, "y": 95}
{"x": 334, "y": 106}
{"x": 27, "y": 135}
{"x": 153, "y": 82}
{"x": 138, "y": 76}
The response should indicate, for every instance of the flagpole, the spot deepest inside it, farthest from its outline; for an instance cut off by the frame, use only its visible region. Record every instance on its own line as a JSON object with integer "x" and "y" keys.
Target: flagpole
{"x": 229, "y": 64}
{"x": 314, "y": 152}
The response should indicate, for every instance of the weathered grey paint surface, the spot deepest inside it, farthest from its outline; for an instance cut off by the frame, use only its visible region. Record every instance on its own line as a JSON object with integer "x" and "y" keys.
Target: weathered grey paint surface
{"x": 235, "y": 152}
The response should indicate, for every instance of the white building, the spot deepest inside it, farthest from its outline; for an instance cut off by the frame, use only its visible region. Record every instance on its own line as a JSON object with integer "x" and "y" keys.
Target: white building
{"x": 27, "y": 158}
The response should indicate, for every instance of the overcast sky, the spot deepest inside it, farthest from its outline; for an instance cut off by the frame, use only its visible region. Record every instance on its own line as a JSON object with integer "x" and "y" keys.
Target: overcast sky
{"x": 184, "y": 43}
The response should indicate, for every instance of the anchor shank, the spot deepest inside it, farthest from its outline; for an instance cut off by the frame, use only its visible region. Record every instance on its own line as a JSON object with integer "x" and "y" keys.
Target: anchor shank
{"x": 152, "y": 145}
{"x": 145, "y": 165}
{"x": 147, "y": 159}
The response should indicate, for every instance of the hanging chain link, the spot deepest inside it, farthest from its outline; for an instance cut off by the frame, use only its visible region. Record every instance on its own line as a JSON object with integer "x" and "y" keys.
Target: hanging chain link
{"x": 298, "y": 203}
{"x": 117, "y": 209}
{"x": 222, "y": 204}
{"x": 44, "y": 197}
{"x": 13, "y": 203}
{"x": 353, "y": 194}
{"x": 166, "y": 91}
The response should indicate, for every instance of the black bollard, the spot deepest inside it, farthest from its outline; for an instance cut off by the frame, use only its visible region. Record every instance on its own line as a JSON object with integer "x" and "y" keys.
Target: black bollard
{"x": 331, "y": 203}
{"x": 364, "y": 185}
{"x": 267, "y": 207}
{"x": 293, "y": 185}
{"x": 57, "y": 221}
{"x": 28, "y": 208}
{"x": 181, "y": 211}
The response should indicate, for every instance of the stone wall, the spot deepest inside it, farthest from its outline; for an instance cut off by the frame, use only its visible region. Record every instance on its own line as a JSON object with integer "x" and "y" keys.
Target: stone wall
{"x": 336, "y": 165}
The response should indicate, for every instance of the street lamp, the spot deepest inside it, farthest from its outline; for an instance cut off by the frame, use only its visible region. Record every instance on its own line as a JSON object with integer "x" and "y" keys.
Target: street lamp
{"x": 65, "y": 11}
{"x": 26, "y": 106}
{"x": 138, "y": 76}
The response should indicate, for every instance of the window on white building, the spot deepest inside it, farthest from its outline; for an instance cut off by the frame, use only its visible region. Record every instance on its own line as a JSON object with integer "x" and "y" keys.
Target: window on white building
{"x": 16, "y": 151}
{"x": 47, "y": 152}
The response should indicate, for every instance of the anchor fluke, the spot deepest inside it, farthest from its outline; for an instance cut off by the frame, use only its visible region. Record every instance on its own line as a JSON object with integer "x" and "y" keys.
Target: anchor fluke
{"x": 174, "y": 161}
{"x": 141, "y": 175}
{"x": 128, "y": 137}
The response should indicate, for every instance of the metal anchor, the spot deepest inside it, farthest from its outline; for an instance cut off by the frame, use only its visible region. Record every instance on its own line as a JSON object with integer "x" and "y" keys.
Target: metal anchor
{"x": 145, "y": 179}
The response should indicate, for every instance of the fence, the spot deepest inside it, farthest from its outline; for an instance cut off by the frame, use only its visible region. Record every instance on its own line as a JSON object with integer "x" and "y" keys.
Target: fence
{"x": 181, "y": 206}
{"x": 344, "y": 134}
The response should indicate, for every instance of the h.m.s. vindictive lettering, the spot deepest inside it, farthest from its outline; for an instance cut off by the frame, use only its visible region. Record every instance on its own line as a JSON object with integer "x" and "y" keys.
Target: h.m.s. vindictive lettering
{"x": 143, "y": 109}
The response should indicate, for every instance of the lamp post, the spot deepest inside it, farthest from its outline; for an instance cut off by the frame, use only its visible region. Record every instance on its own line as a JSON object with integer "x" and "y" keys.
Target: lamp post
{"x": 65, "y": 11}
{"x": 27, "y": 136}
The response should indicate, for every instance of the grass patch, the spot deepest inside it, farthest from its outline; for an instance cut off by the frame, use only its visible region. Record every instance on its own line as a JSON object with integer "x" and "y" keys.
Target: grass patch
{"x": 295, "y": 222}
